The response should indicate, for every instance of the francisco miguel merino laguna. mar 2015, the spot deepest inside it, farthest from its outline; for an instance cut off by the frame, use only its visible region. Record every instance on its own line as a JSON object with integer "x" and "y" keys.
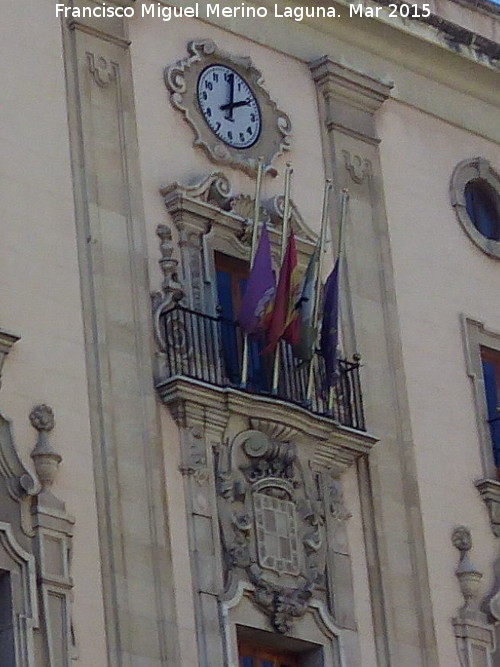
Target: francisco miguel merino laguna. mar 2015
{"x": 197, "y": 10}
{"x": 216, "y": 10}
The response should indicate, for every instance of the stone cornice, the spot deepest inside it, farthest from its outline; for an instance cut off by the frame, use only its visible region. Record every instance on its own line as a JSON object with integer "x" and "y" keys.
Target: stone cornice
{"x": 349, "y": 99}
{"x": 194, "y": 403}
{"x": 346, "y": 84}
{"x": 108, "y": 29}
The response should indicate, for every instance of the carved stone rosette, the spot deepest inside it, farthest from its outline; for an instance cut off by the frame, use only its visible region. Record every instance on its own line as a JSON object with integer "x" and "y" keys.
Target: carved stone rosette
{"x": 181, "y": 80}
{"x": 272, "y": 526}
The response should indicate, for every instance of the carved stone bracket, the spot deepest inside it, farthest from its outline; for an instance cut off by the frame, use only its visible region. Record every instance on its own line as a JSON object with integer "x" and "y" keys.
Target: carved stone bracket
{"x": 181, "y": 80}
{"x": 474, "y": 635}
{"x": 490, "y": 493}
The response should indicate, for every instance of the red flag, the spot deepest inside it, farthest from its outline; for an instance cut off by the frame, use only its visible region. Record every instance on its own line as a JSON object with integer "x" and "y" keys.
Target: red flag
{"x": 284, "y": 322}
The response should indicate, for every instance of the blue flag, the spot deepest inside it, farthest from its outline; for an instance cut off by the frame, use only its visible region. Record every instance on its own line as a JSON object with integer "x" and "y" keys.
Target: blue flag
{"x": 329, "y": 326}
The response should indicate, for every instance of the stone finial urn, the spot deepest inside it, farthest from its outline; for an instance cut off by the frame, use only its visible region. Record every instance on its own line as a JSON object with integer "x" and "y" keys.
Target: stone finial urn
{"x": 469, "y": 579}
{"x": 468, "y": 576}
{"x": 45, "y": 458}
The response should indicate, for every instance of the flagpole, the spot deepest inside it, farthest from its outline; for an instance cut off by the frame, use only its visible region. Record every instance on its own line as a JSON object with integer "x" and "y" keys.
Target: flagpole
{"x": 317, "y": 284}
{"x": 284, "y": 238}
{"x": 345, "y": 199}
{"x": 253, "y": 250}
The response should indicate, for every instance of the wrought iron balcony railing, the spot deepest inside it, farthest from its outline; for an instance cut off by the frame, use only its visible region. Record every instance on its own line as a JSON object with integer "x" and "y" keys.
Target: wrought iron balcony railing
{"x": 209, "y": 349}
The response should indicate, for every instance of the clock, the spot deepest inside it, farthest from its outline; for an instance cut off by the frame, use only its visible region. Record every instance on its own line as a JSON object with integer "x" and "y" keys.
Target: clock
{"x": 223, "y": 99}
{"x": 229, "y": 106}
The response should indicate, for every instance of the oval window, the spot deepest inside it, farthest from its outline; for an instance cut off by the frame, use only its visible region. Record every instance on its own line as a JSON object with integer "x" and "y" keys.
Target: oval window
{"x": 482, "y": 208}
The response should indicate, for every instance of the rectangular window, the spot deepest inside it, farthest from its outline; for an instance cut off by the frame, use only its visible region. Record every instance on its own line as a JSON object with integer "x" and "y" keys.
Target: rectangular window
{"x": 253, "y": 655}
{"x": 490, "y": 360}
{"x": 7, "y": 643}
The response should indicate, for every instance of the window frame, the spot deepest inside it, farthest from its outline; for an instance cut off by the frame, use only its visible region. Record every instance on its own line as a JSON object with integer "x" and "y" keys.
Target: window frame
{"x": 478, "y": 338}
{"x": 475, "y": 169}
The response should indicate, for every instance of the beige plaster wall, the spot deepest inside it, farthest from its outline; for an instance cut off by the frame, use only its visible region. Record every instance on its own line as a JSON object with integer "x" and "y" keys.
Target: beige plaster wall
{"x": 439, "y": 273}
{"x": 39, "y": 284}
{"x": 167, "y": 155}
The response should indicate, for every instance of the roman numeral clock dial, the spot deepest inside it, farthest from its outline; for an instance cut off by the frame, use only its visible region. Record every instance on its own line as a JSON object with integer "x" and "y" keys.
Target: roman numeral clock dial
{"x": 229, "y": 106}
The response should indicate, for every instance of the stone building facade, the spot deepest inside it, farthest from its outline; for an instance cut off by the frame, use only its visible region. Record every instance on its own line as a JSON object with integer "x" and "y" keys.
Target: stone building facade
{"x": 154, "y": 511}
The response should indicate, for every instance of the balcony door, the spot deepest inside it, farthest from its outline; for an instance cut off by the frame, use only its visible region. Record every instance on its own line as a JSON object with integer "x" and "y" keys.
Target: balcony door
{"x": 232, "y": 276}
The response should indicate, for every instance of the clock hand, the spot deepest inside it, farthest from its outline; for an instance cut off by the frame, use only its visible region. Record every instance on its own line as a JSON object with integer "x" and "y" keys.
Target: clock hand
{"x": 229, "y": 105}
{"x": 234, "y": 105}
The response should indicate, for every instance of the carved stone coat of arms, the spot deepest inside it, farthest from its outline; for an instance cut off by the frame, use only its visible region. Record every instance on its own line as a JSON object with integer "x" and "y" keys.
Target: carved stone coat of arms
{"x": 272, "y": 526}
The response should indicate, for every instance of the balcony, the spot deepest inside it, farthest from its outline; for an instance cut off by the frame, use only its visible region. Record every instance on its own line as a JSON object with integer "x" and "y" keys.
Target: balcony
{"x": 208, "y": 349}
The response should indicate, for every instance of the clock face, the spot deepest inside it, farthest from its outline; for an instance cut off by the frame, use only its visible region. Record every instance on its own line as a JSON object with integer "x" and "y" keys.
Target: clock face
{"x": 229, "y": 106}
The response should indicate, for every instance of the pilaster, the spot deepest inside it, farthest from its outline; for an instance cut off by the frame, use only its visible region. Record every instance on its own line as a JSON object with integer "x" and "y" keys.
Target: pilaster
{"x": 128, "y": 457}
{"x": 348, "y": 102}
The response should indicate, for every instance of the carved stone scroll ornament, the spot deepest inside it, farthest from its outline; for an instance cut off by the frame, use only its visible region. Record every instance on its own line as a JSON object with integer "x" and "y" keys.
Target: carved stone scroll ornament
{"x": 273, "y": 531}
{"x": 359, "y": 168}
{"x": 172, "y": 291}
{"x": 103, "y": 70}
{"x": 181, "y": 80}
{"x": 474, "y": 635}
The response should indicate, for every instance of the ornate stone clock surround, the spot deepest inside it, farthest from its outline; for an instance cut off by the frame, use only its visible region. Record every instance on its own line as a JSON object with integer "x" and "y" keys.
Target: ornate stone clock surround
{"x": 181, "y": 80}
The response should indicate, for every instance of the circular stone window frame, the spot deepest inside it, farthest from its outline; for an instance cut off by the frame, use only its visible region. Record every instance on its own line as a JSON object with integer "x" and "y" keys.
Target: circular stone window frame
{"x": 472, "y": 170}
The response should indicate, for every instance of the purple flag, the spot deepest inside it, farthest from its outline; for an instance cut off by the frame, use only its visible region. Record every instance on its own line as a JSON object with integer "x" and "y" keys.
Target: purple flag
{"x": 329, "y": 326}
{"x": 261, "y": 286}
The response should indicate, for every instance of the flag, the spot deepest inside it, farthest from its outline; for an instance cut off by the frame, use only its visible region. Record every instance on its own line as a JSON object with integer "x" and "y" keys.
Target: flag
{"x": 329, "y": 326}
{"x": 305, "y": 307}
{"x": 284, "y": 321}
{"x": 261, "y": 286}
